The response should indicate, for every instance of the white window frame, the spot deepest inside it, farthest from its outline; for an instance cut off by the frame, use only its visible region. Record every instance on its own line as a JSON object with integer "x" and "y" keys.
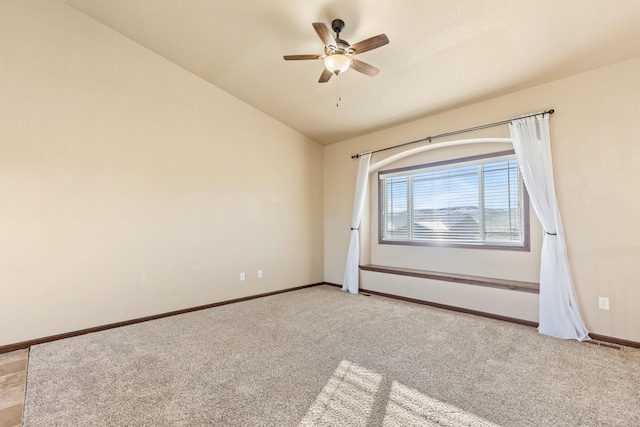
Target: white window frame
{"x": 523, "y": 245}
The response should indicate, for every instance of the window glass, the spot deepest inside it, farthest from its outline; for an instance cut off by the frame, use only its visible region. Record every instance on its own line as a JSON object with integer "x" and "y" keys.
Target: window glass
{"x": 476, "y": 201}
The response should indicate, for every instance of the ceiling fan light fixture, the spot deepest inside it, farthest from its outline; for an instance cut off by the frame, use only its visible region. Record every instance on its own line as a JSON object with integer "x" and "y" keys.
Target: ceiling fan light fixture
{"x": 337, "y": 63}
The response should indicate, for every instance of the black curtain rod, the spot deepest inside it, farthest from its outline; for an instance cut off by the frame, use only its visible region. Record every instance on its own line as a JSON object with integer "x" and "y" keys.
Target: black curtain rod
{"x": 455, "y": 132}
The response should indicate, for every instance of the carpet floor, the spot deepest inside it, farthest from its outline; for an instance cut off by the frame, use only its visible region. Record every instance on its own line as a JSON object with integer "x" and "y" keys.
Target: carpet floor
{"x": 322, "y": 357}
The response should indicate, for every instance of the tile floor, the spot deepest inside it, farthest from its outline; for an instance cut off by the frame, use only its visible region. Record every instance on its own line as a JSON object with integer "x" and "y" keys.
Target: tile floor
{"x": 13, "y": 377}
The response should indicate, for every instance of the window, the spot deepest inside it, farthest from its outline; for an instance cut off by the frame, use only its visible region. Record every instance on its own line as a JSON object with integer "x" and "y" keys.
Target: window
{"x": 471, "y": 202}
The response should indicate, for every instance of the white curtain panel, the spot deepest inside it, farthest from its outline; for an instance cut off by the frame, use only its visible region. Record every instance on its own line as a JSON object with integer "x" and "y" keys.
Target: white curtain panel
{"x": 350, "y": 282}
{"x": 559, "y": 313}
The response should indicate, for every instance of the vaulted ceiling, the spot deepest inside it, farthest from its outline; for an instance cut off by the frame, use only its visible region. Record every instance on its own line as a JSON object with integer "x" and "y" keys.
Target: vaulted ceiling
{"x": 441, "y": 55}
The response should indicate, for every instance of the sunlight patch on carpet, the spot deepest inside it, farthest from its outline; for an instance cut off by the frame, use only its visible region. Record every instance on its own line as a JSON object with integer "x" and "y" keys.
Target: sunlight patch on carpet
{"x": 348, "y": 397}
{"x": 410, "y": 407}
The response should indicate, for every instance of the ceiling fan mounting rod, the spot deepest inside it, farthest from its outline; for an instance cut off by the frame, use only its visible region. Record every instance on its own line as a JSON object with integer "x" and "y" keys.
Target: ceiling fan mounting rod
{"x": 337, "y": 25}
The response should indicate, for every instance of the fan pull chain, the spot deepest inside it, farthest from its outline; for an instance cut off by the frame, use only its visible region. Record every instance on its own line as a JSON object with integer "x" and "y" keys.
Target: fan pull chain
{"x": 338, "y": 95}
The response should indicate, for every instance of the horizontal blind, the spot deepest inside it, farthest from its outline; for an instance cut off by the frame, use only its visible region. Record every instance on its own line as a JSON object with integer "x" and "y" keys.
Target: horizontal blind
{"x": 503, "y": 202}
{"x": 479, "y": 202}
{"x": 446, "y": 205}
{"x": 394, "y": 221}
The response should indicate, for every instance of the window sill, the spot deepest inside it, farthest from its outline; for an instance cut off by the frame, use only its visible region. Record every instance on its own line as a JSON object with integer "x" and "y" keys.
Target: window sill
{"x": 512, "y": 285}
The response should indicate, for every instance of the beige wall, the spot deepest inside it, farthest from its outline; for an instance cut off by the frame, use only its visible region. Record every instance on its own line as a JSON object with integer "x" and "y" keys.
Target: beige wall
{"x": 596, "y": 147}
{"x": 130, "y": 187}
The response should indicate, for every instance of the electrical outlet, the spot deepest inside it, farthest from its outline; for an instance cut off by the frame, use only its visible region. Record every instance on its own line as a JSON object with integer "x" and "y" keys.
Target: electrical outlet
{"x": 603, "y": 303}
{"x": 259, "y": 274}
{"x": 242, "y": 276}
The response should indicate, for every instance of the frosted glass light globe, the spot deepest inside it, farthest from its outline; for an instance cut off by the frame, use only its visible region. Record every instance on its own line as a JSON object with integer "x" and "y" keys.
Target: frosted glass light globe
{"x": 337, "y": 63}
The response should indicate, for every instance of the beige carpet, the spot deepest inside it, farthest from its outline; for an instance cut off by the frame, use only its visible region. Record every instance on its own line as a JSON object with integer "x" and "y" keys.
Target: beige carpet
{"x": 322, "y": 357}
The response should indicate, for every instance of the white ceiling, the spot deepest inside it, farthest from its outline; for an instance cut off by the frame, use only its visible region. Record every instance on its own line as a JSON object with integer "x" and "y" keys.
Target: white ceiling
{"x": 441, "y": 55}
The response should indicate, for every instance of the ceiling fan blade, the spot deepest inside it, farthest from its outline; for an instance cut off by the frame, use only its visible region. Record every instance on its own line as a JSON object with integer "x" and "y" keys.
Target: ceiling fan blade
{"x": 325, "y": 34}
{"x": 301, "y": 57}
{"x": 370, "y": 43}
{"x": 325, "y": 76}
{"x": 363, "y": 67}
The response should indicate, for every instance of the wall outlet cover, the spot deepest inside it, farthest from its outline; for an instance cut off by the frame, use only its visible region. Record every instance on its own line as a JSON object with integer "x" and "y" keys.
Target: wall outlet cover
{"x": 603, "y": 303}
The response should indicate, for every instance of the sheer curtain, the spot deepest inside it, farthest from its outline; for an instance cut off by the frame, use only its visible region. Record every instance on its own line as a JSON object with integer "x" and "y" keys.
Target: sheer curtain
{"x": 350, "y": 282}
{"x": 559, "y": 314}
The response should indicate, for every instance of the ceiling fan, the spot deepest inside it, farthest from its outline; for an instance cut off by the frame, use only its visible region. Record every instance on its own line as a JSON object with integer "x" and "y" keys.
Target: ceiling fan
{"x": 339, "y": 54}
